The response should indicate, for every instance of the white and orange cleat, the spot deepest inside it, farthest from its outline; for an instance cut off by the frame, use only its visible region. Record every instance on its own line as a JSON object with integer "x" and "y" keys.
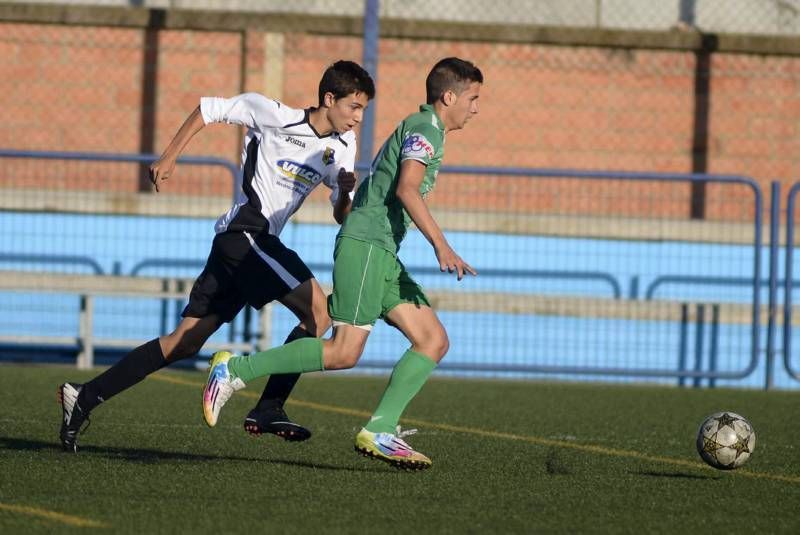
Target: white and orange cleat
{"x": 392, "y": 449}
{"x": 219, "y": 387}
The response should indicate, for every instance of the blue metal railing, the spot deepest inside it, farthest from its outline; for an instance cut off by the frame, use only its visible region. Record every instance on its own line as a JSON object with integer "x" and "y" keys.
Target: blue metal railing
{"x": 108, "y": 157}
{"x": 683, "y": 351}
{"x": 787, "y": 288}
{"x": 659, "y": 177}
{"x": 772, "y": 297}
{"x": 699, "y": 280}
{"x": 613, "y": 283}
{"x": 122, "y": 158}
{"x": 528, "y": 173}
{"x": 78, "y": 260}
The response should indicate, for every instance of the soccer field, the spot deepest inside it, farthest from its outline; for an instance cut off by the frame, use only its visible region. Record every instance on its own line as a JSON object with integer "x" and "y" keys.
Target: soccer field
{"x": 508, "y": 457}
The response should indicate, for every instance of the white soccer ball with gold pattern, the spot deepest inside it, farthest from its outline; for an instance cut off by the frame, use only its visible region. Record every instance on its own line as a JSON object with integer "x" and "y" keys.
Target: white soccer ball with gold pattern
{"x": 726, "y": 440}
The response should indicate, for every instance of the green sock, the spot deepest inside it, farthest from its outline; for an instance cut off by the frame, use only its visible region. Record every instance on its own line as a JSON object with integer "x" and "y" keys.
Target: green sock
{"x": 300, "y": 356}
{"x": 408, "y": 376}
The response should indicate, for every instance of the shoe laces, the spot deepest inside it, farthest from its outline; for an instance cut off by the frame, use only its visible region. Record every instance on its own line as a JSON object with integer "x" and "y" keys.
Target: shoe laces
{"x": 224, "y": 394}
{"x": 400, "y": 433}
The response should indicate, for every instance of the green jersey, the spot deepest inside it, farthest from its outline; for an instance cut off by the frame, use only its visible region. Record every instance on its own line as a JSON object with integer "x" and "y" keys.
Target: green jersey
{"x": 377, "y": 214}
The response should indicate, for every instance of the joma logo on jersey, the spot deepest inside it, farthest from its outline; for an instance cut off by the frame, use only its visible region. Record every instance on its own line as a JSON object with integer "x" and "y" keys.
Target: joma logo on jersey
{"x": 297, "y": 171}
{"x": 294, "y": 141}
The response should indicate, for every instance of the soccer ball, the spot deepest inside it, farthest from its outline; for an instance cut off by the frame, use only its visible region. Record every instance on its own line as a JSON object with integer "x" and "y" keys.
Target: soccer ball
{"x": 726, "y": 440}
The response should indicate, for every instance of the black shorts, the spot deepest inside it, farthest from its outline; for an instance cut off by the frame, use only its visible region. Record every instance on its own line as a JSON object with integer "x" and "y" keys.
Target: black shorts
{"x": 244, "y": 268}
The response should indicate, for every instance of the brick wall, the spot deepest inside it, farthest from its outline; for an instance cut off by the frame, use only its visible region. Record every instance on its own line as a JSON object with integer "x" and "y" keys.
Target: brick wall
{"x": 78, "y": 88}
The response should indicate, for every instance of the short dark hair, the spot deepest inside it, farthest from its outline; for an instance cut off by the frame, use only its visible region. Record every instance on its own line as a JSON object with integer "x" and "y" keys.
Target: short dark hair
{"x": 451, "y": 73}
{"x": 344, "y": 78}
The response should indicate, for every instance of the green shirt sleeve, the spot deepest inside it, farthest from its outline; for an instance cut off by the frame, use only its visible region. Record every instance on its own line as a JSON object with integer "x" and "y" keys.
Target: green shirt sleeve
{"x": 421, "y": 142}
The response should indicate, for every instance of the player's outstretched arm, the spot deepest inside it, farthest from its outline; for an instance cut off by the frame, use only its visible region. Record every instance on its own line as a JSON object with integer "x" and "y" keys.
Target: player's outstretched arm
{"x": 162, "y": 169}
{"x": 346, "y": 181}
{"x": 412, "y": 172}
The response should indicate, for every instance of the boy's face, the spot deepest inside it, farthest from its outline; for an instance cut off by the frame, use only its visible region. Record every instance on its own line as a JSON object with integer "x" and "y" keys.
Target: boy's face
{"x": 465, "y": 106}
{"x": 346, "y": 112}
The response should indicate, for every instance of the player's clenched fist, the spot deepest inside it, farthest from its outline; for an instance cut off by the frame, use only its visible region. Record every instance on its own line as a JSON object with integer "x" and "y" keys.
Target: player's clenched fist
{"x": 346, "y": 180}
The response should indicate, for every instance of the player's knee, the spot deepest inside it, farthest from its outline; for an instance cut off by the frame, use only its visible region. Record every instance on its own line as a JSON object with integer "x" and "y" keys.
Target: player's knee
{"x": 341, "y": 362}
{"x": 445, "y": 346}
{"x": 441, "y": 345}
{"x": 435, "y": 345}
{"x": 318, "y": 321}
{"x": 322, "y": 322}
{"x": 342, "y": 358}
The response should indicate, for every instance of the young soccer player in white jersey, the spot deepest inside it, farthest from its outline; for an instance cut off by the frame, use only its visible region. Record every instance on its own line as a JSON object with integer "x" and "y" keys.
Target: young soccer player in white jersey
{"x": 287, "y": 153}
{"x": 370, "y": 282}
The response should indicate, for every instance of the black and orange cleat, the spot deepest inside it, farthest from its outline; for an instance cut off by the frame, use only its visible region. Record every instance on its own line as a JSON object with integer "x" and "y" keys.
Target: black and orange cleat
{"x": 73, "y": 416}
{"x": 275, "y": 421}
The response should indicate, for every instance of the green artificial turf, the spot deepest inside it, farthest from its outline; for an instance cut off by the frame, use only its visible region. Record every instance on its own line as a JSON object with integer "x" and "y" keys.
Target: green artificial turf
{"x": 508, "y": 457}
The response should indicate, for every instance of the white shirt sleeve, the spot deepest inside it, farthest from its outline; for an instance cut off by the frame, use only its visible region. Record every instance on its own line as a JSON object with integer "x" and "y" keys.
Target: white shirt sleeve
{"x": 347, "y": 161}
{"x": 252, "y": 110}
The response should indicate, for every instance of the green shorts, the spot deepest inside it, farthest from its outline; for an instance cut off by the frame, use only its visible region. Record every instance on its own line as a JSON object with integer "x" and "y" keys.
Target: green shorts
{"x": 368, "y": 282}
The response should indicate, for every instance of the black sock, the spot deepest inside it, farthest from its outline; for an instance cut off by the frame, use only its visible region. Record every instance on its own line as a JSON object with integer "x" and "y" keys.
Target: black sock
{"x": 280, "y": 386}
{"x": 131, "y": 369}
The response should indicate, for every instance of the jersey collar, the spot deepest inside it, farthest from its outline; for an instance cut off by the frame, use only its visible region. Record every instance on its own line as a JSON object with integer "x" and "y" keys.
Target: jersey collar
{"x": 306, "y": 119}
{"x": 437, "y": 121}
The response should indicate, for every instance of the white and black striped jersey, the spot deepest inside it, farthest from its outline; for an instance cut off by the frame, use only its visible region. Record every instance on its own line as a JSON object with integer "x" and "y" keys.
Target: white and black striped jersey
{"x": 283, "y": 160}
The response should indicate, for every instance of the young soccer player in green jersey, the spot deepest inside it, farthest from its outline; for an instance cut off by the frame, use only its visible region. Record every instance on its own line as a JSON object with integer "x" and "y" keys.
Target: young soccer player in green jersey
{"x": 370, "y": 282}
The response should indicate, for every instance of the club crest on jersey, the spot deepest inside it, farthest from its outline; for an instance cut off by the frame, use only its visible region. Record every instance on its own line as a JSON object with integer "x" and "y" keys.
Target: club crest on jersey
{"x": 327, "y": 156}
{"x": 299, "y": 172}
{"x": 417, "y": 145}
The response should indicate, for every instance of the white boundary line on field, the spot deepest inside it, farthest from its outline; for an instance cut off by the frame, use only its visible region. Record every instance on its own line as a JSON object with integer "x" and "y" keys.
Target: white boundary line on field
{"x": 54, "y": 516}
{"x": 540, "y": 441}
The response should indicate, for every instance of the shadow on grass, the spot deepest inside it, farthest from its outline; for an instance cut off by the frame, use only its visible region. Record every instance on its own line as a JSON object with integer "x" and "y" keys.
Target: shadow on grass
{"x": 673, "y": 475}
{"x": 149, "y": 456}
{"x": 555, "y": 465}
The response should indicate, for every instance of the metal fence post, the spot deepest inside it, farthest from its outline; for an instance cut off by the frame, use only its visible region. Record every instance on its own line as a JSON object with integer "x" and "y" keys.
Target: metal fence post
{"x": 788, "y": 278}
{"x": 264, "y": 340}
{"x": 683, "y": 342}
{"x": 700, "y": 320}
{"x": 85, "y": 359}
{"x": 774, "y": 225}
{"x": 370, "y": 61}
{"x": 714, "y": 350}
